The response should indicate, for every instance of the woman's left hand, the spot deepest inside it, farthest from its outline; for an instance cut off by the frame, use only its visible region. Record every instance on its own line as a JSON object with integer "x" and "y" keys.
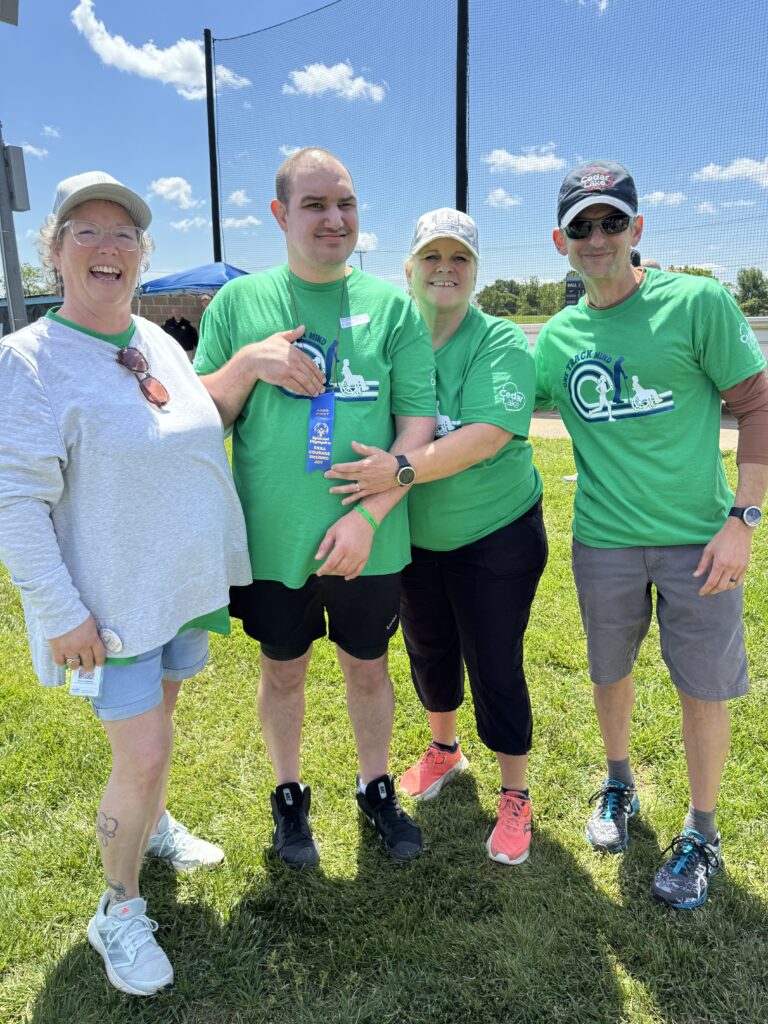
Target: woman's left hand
{"x": 82, "y": 646}
{"x": 374, "y": 473}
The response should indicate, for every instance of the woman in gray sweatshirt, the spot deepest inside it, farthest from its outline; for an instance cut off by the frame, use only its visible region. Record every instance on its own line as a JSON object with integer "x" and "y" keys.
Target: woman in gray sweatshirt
{"x": 106, "y": 437}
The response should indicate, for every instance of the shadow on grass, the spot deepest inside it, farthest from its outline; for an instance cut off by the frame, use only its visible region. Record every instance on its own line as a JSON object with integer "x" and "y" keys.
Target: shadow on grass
{"x": 449, "y": 937}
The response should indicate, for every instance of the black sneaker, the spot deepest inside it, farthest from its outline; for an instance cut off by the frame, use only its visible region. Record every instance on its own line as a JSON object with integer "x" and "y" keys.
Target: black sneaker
{"x": 400, "y": 835}
{"x": 683, "y": 880}
{"x": 292, "y": 839}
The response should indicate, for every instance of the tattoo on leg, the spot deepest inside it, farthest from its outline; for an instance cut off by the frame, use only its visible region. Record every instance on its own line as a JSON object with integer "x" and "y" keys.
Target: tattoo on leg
{"x": 116, "y": 891}
{"x": 106, "y": 828}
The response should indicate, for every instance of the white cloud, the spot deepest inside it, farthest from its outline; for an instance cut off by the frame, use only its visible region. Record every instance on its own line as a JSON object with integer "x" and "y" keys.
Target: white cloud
{"x": 602, "y": 5}
{"x": 502, "y": 199}
{"x": 707, "y": 207}
{"x": 50, "y": 132}
{"x": 175, "y": 190}
{"x": 189, "y": 222}
{"x": 287, "y": 151}
{"x": 247, "y": 104}
{"x": 239, "y": 197}
{"x": 241, "y": 222}
{"x": 181, "y": 65}
{"x": 532, "y": 159}
{"x": 738, "y": 202}
{"x": 743, "y": 167}
{"x": 366, "y": 242}
{"x": 39, "y": 152}
{"x": 317, "y": 79}
{"x": 663, "y": 199}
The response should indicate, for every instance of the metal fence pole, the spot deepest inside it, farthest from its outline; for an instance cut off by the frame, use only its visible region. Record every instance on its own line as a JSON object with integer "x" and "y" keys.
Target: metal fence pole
{"x": 462, "y": 102}
{"x": 212, "y": 156}
{"x": 17, "y": 308}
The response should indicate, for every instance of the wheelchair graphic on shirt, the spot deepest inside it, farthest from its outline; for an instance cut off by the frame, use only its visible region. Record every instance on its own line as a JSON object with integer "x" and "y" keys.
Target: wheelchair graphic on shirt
{"x": 644, "y": 399}
{"x": 351, "y": 384}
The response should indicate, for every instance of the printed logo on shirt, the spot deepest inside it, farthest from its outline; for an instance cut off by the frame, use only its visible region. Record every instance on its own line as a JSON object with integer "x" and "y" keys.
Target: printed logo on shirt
{"x": 747, "y": 337}
{"x": 512, "y": 399}
{"x": 444, "y": 424}
{"x": 600, "y": 389}
{"x": 349, "y": 387}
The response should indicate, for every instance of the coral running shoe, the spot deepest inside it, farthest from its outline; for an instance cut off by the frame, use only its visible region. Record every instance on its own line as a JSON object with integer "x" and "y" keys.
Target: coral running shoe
{"x": 426, "y": 778}
{"x": 510, "y": 841}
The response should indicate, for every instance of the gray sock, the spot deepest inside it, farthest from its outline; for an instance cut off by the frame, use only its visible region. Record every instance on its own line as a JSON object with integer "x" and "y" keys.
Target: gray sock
{"x": 620, "y": 771}
{"x": 703, "y": 822}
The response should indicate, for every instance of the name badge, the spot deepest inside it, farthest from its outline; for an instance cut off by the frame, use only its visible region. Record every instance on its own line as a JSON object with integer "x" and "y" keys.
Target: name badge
{"x": 83, "y": 683}
{"x": 356, "y": 320}
{"x": 320, "y": 438}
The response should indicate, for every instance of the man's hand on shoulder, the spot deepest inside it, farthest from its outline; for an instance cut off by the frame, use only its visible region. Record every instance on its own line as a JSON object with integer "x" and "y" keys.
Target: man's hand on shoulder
{"x": 725, "y": 558}
{"x": 347, "y": 545}
{"x": 276, "y": 360}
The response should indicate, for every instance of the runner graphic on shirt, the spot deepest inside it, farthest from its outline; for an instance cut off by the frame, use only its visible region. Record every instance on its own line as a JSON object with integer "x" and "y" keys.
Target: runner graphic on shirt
{"x": 594, "y": 381}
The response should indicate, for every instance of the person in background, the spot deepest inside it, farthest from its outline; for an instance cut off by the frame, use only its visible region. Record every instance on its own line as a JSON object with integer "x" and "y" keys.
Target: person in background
{"x": 478, "y": 541}
{"x": 105, "y": 432}
{"x": 653, "y": 507}
{"x": 182, "y": 330}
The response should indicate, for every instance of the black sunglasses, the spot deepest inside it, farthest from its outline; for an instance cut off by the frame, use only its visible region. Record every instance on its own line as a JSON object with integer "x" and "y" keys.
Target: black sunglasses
{"x": 132, "y": 359}
{"x": 614, "y": 224}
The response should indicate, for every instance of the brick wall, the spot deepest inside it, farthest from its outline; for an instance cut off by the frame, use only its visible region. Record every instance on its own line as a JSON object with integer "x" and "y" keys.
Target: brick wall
{"x": 157, "y": 308}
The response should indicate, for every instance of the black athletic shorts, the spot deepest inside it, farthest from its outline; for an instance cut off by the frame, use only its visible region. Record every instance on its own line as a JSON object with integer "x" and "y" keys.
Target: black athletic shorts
{"x": 362, "y": 614}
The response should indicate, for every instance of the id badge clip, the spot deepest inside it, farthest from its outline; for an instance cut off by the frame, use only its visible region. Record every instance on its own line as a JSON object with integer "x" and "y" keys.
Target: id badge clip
{"x": 83, "y": 683}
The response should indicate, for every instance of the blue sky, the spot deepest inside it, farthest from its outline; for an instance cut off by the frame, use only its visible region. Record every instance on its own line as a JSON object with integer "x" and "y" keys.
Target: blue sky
{"x": 676, "y": 91}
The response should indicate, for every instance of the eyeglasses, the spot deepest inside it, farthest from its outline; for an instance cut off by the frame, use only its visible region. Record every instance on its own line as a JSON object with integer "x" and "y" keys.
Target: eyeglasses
{"x": 126, "y": 237}
{"x": 151, "y": 387}
{"x": 613, "y": 224}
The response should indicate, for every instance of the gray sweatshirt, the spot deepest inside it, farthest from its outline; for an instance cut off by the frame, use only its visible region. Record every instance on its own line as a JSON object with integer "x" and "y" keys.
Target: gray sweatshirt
{"x": 108, "y": 504}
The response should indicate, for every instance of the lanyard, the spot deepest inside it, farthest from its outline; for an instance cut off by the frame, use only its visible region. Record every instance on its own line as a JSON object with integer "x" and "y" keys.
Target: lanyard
{"x": 335, "y": 346}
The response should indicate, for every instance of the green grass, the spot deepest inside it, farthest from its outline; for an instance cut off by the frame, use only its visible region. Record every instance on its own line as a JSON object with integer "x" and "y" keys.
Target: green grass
{"x": 535, "y": 318}
{"x": 567, "y": 937}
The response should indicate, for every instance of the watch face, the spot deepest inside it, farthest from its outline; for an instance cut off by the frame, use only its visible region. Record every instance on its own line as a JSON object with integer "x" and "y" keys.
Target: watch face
{"x": 752, "y": 515}
{"x": 406, "y": 476}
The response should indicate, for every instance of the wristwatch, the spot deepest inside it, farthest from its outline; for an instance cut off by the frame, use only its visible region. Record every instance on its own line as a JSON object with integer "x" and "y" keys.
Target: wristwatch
{"x": 751, "y": 515}
{"x": 406, "y": 474}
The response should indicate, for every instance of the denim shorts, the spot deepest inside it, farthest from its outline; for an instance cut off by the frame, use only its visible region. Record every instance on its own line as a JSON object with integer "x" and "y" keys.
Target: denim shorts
{"x": 130, "y": 690}
{"x": 702, "y": 638}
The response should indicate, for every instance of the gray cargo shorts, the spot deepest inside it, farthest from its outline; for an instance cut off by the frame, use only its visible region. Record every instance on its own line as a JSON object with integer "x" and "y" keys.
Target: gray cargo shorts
{"x": 702, "y": 638}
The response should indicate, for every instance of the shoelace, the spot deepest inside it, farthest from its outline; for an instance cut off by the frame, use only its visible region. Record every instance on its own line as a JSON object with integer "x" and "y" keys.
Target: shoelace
{"x": 687, "y": 852}
{"x": 614, "y": 800}
{"x": 295, "y": 823}
{"x": 515, "y": 805}
{"x": 174, "y": 839}
{"x": 129, "y": 936}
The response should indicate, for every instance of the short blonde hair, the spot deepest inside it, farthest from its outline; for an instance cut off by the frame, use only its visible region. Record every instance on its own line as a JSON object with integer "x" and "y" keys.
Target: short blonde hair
{"x": 311, "y": 156}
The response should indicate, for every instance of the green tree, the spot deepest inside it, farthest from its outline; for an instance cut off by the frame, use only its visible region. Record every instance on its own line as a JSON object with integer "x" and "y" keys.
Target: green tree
{"x": 499, "y": 298}
{"x": 752, "y": 291}
{"x": 33, "y": 281}
{"x": 696, "y": 271}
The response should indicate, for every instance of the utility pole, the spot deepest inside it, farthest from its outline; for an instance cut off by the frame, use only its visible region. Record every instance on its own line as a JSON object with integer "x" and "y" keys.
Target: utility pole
{"x": 13, "y": 197}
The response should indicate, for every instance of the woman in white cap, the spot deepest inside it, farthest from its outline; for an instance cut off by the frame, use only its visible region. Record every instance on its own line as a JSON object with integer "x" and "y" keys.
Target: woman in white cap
{"x": 106, "y": 437}
{"x": 479, "y": 544}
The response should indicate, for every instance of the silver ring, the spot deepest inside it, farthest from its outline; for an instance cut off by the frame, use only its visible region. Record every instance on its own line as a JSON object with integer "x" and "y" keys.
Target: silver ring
{"x": 357, "y": 486}
{"x": 72, "y": 661}
{"x": 732, "y": 580}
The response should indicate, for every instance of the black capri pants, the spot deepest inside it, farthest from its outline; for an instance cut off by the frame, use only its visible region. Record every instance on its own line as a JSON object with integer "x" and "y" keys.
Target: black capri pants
{"x": 471, "y": 606}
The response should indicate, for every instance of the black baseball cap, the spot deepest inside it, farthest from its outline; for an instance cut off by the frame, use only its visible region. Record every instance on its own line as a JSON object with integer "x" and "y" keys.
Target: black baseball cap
{"x": 597, "y": 181}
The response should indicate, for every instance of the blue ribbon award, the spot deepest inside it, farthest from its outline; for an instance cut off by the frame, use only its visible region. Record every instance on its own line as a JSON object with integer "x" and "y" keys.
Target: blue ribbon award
{"x": 320, "y": 437}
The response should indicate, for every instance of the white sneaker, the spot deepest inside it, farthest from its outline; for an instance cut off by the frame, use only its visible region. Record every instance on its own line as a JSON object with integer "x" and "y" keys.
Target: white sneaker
{"x": 123, "y": 937}
{"x": 176, "y": 844}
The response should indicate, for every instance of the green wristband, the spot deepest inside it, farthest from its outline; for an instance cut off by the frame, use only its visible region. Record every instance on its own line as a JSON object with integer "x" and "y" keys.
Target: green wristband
{"x": 367, "y": 515}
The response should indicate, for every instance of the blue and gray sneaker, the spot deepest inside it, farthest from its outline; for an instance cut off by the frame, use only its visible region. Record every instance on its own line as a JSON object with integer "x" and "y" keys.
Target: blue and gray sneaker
{"x": 683, "y": 880}
{"x": 607, "y": 829}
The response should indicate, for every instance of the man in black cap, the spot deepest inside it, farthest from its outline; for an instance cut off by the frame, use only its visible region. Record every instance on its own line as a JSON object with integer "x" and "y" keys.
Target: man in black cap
{"x": 653, "y": 507}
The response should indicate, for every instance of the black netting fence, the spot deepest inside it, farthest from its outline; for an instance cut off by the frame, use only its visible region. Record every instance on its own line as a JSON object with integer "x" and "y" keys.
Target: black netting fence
{"x": 674, "y": 90}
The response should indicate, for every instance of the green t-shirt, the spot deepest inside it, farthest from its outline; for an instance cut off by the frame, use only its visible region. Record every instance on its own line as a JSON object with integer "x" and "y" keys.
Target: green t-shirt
{"x": 385, "y": 368}
{"x": 638, "y": 387}
{"x": 485, "y": 374}
{"x": 216, "y": 621}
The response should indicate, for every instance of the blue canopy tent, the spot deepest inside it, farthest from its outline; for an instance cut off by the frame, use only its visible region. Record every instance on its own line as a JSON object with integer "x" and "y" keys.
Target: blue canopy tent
{"x": 197, "y": 281}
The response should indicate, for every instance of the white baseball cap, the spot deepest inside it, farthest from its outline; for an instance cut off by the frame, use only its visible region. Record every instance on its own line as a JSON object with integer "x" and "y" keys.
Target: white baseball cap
{"x": 445, "y": 223}
{"x": 98, "y": 185}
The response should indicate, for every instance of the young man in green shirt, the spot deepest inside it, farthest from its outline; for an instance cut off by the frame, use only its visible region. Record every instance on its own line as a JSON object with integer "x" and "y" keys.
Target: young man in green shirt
{"x": 344, "y": 355}
{"x": 637, "y": 370}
